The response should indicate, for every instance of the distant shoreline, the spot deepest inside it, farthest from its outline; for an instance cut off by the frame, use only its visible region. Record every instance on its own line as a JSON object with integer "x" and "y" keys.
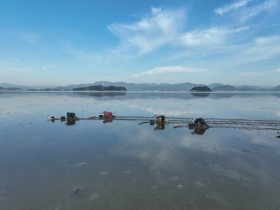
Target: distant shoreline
{"x": 134, "y": 91}
{"x": 157, "y": 87}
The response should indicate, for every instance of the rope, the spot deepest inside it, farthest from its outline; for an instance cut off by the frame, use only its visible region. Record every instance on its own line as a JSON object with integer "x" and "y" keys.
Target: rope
{"x": 184, "y": 122}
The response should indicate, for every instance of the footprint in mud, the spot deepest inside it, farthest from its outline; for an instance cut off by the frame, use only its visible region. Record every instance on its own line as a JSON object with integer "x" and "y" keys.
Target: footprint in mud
{"x": 80, "y": 164}
{"x": 256, "y": 150}
{"x": 76, "y": 191}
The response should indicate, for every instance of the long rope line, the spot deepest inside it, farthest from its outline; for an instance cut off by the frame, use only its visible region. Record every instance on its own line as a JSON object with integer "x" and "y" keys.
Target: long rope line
{"x": 249, "y": 124}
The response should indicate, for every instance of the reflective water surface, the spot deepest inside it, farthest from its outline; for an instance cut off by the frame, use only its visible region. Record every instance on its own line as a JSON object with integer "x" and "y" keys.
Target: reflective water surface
{"x": 124, "y": 165}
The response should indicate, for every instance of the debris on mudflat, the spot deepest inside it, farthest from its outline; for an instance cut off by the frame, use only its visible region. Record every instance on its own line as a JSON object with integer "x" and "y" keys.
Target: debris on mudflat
{"x": 76, "y": 191}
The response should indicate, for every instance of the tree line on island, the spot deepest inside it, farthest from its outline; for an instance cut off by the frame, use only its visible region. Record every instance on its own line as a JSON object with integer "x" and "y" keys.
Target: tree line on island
{"x": 100, "y": 88}
{"x": 200, "y": 89}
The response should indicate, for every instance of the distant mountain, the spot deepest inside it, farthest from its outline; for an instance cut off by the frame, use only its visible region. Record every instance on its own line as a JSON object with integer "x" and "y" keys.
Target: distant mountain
{"x": 8, "y": 85}
{"x": 277, "y": 88}
{"x": 100, "y": 88}
{"x": 214, "y": 85}
{"x": 24, "y": 87}
{"x": 252, "y": 88}
{"x": 139, "y": 87}
{"x": 170, "y": 87}
{"x": 225, "y": 88}
{"x": 10, "y": 89}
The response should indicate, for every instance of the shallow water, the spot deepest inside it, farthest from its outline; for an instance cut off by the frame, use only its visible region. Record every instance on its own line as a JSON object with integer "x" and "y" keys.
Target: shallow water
{"x": 123, "y": 165}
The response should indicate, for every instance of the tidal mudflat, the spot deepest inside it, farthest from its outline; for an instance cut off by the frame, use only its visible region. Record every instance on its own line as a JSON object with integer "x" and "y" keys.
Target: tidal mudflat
{"x": 124, "y": 165}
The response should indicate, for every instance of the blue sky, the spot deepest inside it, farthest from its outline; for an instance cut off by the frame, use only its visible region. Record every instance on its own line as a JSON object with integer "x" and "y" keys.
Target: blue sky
{"x": 59, "y": 42}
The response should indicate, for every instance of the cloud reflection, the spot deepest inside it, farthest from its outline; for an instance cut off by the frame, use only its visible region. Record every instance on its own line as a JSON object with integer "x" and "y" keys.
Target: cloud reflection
{"x": 220, "y": 152}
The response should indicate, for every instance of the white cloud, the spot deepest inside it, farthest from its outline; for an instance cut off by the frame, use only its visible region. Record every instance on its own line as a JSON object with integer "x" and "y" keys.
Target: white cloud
{"x": 151, "y": 31}
{"x": 244, "y": 10}
{"x": 263, "y": 48}
{"x": 233, "y": 6}
{"x": 255, "y": 74}
{"x": 168, "y": 69}
{"x": 206, "y": 36}
{"x": 233, "y": 43}
{"x": 26, "y": 37}
{"x": 213, "y": 36}
{"x": 261, "y": 73}
{"x": 47, "y": 67}
{"x": 257, "y": 9}
{"x": 44, "y": 67}
{"x": 276, "y": 70}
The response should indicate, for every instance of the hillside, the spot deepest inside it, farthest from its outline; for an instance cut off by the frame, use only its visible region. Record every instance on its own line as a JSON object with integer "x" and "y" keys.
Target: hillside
{"x": 277, "y": 88}
{"x": 225, "y": 88}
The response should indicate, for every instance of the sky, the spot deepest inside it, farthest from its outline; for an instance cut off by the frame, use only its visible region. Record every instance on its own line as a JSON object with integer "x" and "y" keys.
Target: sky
{"x": 61, "y": 42}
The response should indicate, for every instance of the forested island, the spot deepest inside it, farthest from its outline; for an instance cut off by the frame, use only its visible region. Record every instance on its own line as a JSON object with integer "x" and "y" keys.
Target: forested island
{"x": 100, "y": 88}
{"x": 200, "y": 89}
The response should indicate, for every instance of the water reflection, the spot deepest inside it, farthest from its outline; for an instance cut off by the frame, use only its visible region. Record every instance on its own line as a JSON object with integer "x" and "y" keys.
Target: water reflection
{"x": 199, "y": 131}
{"x": 95, "y": 165}
{"x": 224, "y": 95}
{"x": 70, "y": 122}
{"x": 177, "y": 95}
{"x": 147, "y": 95}
{"x": 195, "y": 126}
{"x": 201, "y": 94}
{"x": 198, "y": 126}
{"x": 101, "y": 94}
